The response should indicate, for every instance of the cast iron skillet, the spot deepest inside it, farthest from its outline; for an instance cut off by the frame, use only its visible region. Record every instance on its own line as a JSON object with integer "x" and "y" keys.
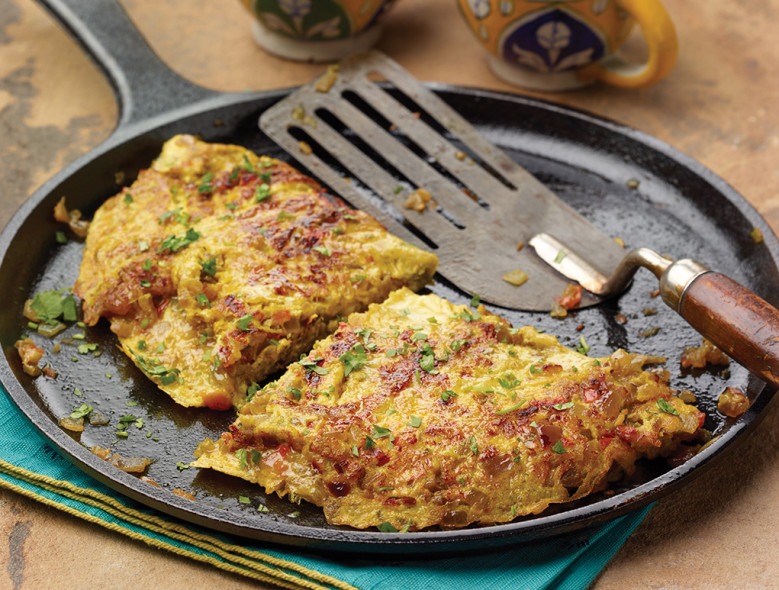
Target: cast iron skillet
{"x": 679, "y": 207}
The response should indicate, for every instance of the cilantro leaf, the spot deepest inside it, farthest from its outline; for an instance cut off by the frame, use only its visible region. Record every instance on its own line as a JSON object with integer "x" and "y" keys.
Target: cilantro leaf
{"x": 208, "y": 266}
{"x": 667, "y": 407}
{"x": 354, "y": 359}
{"x": 81, "y": 411}
{"x": 312, "y": 366}
{"x": 175, "y": 243}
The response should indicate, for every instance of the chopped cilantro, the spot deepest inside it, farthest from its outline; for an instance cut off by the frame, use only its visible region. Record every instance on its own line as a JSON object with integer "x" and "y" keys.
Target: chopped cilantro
{"x": 382, "y": 432}
{"x": 559, "y": 447}
{"x": 354, "y": 359}
{"x": 475, "y": 300}
{"x": 244, "y": 500}
{"x": 202, "y": 299}
{"x": 49, "y": 306}
{"x": 145, "y": 283}
{"x": 355, "y": 451}
{"x": 447, "y": 395}
{"x": 457, "y": 344}
{"x": 180, "y": 465}
{"x": 312, "y": 366}
{"x": 175, "y": 243}
{"x": 427, "y": 360}
{"x": 262, "y": 508}
{"x": 469, "y": 315}
{"x": 387, "y": 527}
{"x": 295, "y": 392}
{"x": 508, "y": 410}
{"x": 245, "y": 322}
{"x": 369, "y": 442}
{"x": 205, "y": 185}
{"x": 125, "y": 421}
{"x": 251, "y": 391}
{"x": 667, "y": 407}
{"x": 509, "y": 381}
{"x": 60, "y": 237}
{"x": 563, "y": 406}
{"x": 154, "y": 368}
{"x": 81, "y": 411}
{"x": 147, "y": 264}
{"x": 247, "y": 164}
{"x": 262, "y": 193}
{"x": 472, "y": 445}
{"x": 561, "y": 254}
{"x": 243, "y": 462}
{"x": 208, "y": 266}
{"x": 414, "y": 421}
{"x": 87, "y": 347}
{"x": 535, "y": 370}
{"x": 128, "y": 199}
{"x": 583, "y": 347}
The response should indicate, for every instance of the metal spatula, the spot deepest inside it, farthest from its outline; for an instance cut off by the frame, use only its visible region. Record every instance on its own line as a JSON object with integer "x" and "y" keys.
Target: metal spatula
{"x": 366, "y": 142}
{"x": 375, "y": 149}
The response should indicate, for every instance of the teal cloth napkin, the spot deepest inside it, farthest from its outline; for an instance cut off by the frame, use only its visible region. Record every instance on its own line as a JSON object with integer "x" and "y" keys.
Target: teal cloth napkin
{"x": 31, "y": 467}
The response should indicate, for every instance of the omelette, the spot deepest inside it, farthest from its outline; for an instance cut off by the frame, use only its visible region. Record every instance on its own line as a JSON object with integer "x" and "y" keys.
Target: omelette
{"x": 420, "y": 413}
{"x": 218, "y": 267}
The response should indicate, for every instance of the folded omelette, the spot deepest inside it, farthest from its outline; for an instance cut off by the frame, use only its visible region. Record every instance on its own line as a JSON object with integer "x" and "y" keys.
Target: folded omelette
{"x": 421, "y": 413}
{"x": 217, "y": 268}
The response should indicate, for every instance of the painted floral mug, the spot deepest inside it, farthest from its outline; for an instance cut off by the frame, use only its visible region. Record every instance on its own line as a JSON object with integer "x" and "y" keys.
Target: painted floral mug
{"x": 316, "y": 30}
{"x": 566, "y": 44}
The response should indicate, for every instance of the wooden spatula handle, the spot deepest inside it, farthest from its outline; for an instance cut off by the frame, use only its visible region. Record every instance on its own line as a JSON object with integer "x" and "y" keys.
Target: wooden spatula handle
{"x": 737, "y": 321}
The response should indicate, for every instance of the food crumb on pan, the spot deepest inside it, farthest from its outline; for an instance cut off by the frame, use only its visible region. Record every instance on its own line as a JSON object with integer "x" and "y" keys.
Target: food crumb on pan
{"x": 515, "y": 277}
{"x": 697, "y": 357}
{"x": 419, "y": 200}
{"x": 328, "y": 79}
{"x": 31, "y": 354}
{"x": 732, "y": 402}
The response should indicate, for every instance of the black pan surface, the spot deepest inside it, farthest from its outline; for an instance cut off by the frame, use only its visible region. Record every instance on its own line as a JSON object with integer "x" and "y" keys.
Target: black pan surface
{"x": 678, "y": 207}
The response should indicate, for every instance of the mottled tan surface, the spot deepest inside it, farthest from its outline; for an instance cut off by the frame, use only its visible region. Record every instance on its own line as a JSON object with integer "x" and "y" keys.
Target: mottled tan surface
{"x": 718, "y": 106}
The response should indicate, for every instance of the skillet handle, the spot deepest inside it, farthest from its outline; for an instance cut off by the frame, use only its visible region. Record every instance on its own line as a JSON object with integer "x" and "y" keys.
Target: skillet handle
{"x": 736, "y": 320}
{"x": 144, "y": 85}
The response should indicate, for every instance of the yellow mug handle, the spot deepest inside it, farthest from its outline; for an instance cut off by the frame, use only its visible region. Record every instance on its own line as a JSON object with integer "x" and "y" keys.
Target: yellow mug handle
{"x": 660, "y": 35}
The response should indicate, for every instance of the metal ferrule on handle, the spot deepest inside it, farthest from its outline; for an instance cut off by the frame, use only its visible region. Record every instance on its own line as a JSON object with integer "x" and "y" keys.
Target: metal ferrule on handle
{"x": 676, "y": 279}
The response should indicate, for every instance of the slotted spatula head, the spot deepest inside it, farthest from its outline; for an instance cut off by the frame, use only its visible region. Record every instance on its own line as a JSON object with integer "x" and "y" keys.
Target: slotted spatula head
{"x": 375, "y": 135}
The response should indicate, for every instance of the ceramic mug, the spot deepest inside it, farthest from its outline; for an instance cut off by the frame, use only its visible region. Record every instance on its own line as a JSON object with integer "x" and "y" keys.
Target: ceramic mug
{"x": 565, "y": 44}
{"x": 316, "y": 30}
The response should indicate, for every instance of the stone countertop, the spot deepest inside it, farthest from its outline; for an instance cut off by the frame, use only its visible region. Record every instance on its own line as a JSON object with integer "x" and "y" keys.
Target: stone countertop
{"x": 718, "y": 106}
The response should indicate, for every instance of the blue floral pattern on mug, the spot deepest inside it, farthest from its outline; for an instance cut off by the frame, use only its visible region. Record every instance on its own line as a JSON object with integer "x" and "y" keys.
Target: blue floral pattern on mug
{"x": 553, "y": 41}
